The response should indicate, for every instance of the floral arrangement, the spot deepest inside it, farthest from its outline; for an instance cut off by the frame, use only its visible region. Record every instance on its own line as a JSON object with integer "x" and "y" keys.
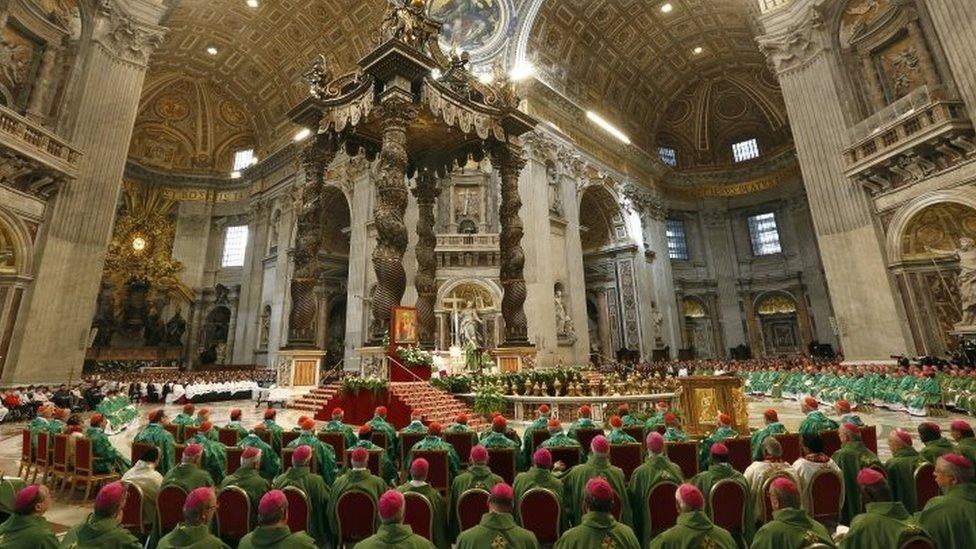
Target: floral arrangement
{"x": 370, "y": 383}
{"x": 488, "y": 398}
{"x": 415, "y": 356}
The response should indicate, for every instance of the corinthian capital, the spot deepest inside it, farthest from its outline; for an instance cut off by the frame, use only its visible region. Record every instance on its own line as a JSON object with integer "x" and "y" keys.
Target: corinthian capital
{"x": 647, "y": 203}
{"x": 131, "y": 39}
{"x": 795, "y": 48}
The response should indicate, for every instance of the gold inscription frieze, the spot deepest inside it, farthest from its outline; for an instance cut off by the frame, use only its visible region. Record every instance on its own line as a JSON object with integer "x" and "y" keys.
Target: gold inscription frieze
{"x": 205, "y": 195}
{"x": 736, "y": 189}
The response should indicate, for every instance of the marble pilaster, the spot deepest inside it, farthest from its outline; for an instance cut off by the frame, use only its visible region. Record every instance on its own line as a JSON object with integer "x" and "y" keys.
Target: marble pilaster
{"x": 955, "y": 24}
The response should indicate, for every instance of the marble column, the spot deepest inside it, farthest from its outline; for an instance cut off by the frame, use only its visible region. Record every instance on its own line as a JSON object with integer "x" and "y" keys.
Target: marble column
{"x": 721, "y": 248}
{"x": 955, "y": 25}
{"x": 603, "y": 324}
{"x": 252, "y": 282}
{"x": 507, "y": 158}
{"x": 752, "y": 324}
{"x": 52, "y": 333}
{"x": 426, "y": 193}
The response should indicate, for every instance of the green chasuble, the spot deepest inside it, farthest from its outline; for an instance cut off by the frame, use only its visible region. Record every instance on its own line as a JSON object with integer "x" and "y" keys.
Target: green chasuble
{"x": 253, "y": 484}
{"x": 644, "y": 478}
{"x": 107, "y": 458}
{"x": 598, "y": 530}
{"x": 935, "y": 448}
{"x": 37, "y": 425}
{"x": 336, "y": 426}
{"x": 276, "y": 537}
{"x": 54, "y": 427}
{"x": 851, "y": 458}
{"x": 353, "y": 479}
{"x": 559, "y": 440}
{"x": 815, "y": 422}
{"x": 191, "y": 537}
{"x": 100, "y": 532}
{"x": 187, "y": 476}
{"x": 901, "y": 477}
{"x": 439, "y": 506}
{"x": 967, "y": 447}
{"x": 693, "y": 531}
{"x": 9, "y": 487}
{"x": 537, "y": 477}
{"x": 498, "y": 440}
{"x": 182, "y": 420}
{"x": 948, "y": 519}
{"x": 883, "y": 524}
{"x": 477, "y": 476}
{"x": 275, "y": 431}
{"x": 575, "y": 482}
{"x": 775, "y": 428}
{"x": 705, "y": 448}
{"x": 852, "y": 418}
{"x": 214, "y": 456}
{"x": 392, "y": 443}
{"x": 389, "y": 470}
{"x": 791, "y": 528}
{"x": 236, "y": 425}
{"x": 325, "y": 458}
{"x": 415, "y": 426}
{"x": 497, "y": 530}
{"x": 617, "y": 436}
{"x": 705, "y": 480}
{"x": 270, "y": 461}
{"x": 394, "y": 535}
{"x": 434, "y": 442}
{"x": 675, "y": 434}
{"x": 317, "y": 492}
{"x": 162, "y": 439}
{"x": 582, "y": 423}
{"x": 27, "y": 532}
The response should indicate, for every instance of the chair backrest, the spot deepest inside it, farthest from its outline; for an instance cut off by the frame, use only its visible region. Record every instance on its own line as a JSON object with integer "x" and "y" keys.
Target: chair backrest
{"x": 685, "y": 456}
{"x": 636, "y": 431}
{"x": 869, "y": 436}
{"x": 288, "y": 436}
{"x": 83, "y": 456}
{"x": 586, "y": 436}
{"x": 338, "y": 443}
{"x": 826, "y": 490}
{"x": 298, "y": 509}
{"x": 418, "y": 513}
{"x": 189, "y": 431}
{"x": 351, "y": 509}
{"x": 25, "y": 445}
{"x": 234, "y": 514}
{"x": 407, "y": 440}
{"x": 538, "y": 437}
{"x": 132, "y": 510}
{"x": 925, "y": 486}
{"x": 234, "y": 454}
{"x": 790, "y": 442}
{"x": 661, "y": 429}
{"x": 373, "y": 464}
{"x": 540, "y": 512}
{"x": 727, "y": 502}
{"x": 616, "y": 510}
{"x": 662, "y": 507}
{"x": 266, "y": 437}
{"x": 140, "y": 448}
{"x": 42, "y": 455}
{"x": 173, "y": 430}
{"x": 439, "y": 474}
{"x": 831, "y": 441}
{"x": 462, "y": 443}
{"x": 228, "y": 437}
{"x": 379, "y": 438}
{"x": 740, "y": 452}
{"x": 501, "y": 461}
{"x": 178, "y": 452}
{"x": 767, "y": 508}
{"x": 60, "y": 461}
{"x": 169, "y": 508}
{"x": 471, "y": 505}
{"x": 569, "y": 455}
{"x": 627, "y": 456}
{"x": 917, "y": 542}
{"x": 286, "y": 454}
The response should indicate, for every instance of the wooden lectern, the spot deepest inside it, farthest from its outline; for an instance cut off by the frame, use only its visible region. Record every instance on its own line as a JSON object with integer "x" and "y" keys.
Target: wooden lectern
{"x": 703, "y": 398}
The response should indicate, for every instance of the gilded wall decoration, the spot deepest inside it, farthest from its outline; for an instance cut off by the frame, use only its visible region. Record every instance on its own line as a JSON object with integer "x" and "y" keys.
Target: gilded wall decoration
{"x": 478, "y": 27}
{"x": 628, "y": 298}
{"x": 776, "y": 304}
{"x": 19, "y": 55}
{"x": 706, "y": 404}
{"x": 899, "y": 68}
{"x": 938, "y": 226}
{"x": 693, "y": 308}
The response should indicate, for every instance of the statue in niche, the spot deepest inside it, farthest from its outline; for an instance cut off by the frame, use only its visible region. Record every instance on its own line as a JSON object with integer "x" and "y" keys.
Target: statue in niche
{"x": 657, "y": 320}
{"x": 175, "y": 328}
{"x": 555, "y": 200}
{"x": 565, "y": 330}
{"x": 468, "y": 205}
{"x": 153, "y": 331}
{"x": 221, "y": 293}
{"x": 470, "y": 325}
{"x": 966, "y": 281}
{"x": 265, "y": 327}
{"x": 7, "y": 265}
{"x": 221, "y": 353}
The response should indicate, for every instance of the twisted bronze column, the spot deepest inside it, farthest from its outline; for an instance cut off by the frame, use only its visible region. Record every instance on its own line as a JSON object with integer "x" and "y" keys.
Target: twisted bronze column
{"x": 391, "y": 204}
{"x": 426, "y": 192}
{"x": 507, "y": 158}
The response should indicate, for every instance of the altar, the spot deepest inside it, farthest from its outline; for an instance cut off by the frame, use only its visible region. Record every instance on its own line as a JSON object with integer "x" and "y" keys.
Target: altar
{"x": 703, "y": 398}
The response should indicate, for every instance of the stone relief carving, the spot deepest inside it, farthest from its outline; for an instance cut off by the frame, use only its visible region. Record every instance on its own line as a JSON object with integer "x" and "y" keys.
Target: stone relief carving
{"x": 565, "y": 329}
{"x": 555, "y": 196}
{"x": 965, "y": 281}
{"x": 797, "y": 47}
{"x": 127, "y": 38}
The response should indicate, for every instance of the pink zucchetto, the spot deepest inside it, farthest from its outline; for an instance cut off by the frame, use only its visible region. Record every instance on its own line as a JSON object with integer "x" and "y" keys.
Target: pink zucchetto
{"x": 479, "y": 454}
{"x": 250, "y": 453}
{"x": 302, "y": 453}
{"x": 961, "y": 425}
{"x": 852, "y": 428}
{"x": 110, "y": 495}
{"x": 904, "y": 436}
{"x": 359, "y": 456}
{"x": 958, "y": 460}
{"x": 719, "y": 449}
{"x": 192, "y": 451}
{"x": 502, "y": 492}
{"x": 599, "y": 489}
{"x": 868, "y": 476}
{"x": 390, "y": 504}
{"x": 542, "y": 458}
{"x": 783, "y": 484}
{"x": 419, "y": 468}
{"x": 25, "y": 498}
{"x": 691, "y": 496}
{"x": 272, "y": 501}
{"x": 655, "y": 442}
{"x": 599, "y": 445}
{"x": 198, "y": 499}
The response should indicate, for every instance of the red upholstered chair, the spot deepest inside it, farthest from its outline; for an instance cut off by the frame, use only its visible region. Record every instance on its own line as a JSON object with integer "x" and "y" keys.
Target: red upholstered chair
{"x": 917, "y": 542}
{"x": 42, "y": 457}
{"x": 740, "y": 452}
{"x": 636, "y": 431}
{"x": 471, "y": 505}
{"x": 26, "y": 457}
{"x": 767, "y": 509}
{"x": 419, "y": 515}
{"x": 831, "y": 441}
{"x": 869, "y": 436}
{"x": 685, "y": 455}
{"x": 234, "y": 458}
{"x": 462, "y": 443}
{"x": 266, "y": 437}
{"x": 538, "y": 437}
{"x": 338, "y": 443}
{"x": 661, "y": 429}
{"x": 178, "y": 452}
{"x": 501, "y": 461}
{"x": 374, "y": 461}
{"x": 288, "y": 436}
{"x": 540, "y": 512}
{"x": 586, "y": 436}
{"x": 228, "y": 437}
{"x": 925, "y": 486}
{"x": 189, "y": 431}
{"x": 439, "y": 475}
{"x": 727, "y": 503}
{"x": 132, "y": 511}
{"x": 352, "y": 510}
{"x": 663, "y": 510}
{"x": 791, "y": 446}
{"x": 173, "y": 430}
{"x": 84, "y": 472}
{"x": 139, "y": 448}
{"x": 60, "y": 471}
{"x": 379, "y": 438}
{"x": 627, "y": 456}
{"x": 569, "y": 456}
{"x": 169, "y": 508}
{"x": 234, "y": 514}
{"x": 298, "y": 509}
{"x": 824, "y": 493}
{"x": 615, "y": 510}
{"x": 407, "y": 440}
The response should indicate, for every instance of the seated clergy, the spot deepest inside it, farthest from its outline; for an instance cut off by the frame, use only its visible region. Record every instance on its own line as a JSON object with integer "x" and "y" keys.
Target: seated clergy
{"x": 497, "y": 527}
{"x": 884, "y": 523}
{"x": 188, "y": 475}
{"x": 617, "y": 434}
{"x": 812, "y": 462}
{"x": 185, "y": 418}
{"x": 248, "y": 479}
{"x": 106, "y": 458}
{"x": 314, "y": 488}
{"x": 336, "y": 425}
{"x": 815, "y": 421}
{"x": 772, "y": 427}
{"x": 270, "y": 461}
{"x": 358, "y": 477}
{"x": 558, "y": 439}
{"x": 694, "y": 529}
{"x": 851, "y": 458}
{"x": 721, "y": 469}
{"x": 596, "y": 465}
{"x": 933, "y": 443}
{"x": 673, "y": 431}
{"x": 101, "y": 529}
{"x": 379, "y": 423}
{"x": 759, "y": 472}
{"x": 235, "y": 423}
{"x": 901, "y": 469}
{"x": 26, "y": 527}
{"x": 656, "y": 469}
{"x": 433, "y": 441}
{"x": 478, "y": 475}
{"x": 657, "y": 418}
{"x": 948, "y": 518}
{"x": 158, "y": 436}
{"x": 962, "y": 433}
{"x": 846, "y": 413}
{"x": 325, "y": 458}
{"x": 194, "y": 530}
{"x": 722, "y": 431}
{"x": 214, "y": 453}
{"x": 272, "y": 530}
{"x": 540, "y": 476}
{"x": 387, "y": 468}
{"x": 418, "y": 484}
{"x": 598, "y": 528}
{"x": 584, "y": 421}
{"x": 272, "y": 427}
{"x": 791, "y": 527}
{"x": 541, "y": 423}
{"x": 145, "y": 475}
{"x": 392, "y": 532}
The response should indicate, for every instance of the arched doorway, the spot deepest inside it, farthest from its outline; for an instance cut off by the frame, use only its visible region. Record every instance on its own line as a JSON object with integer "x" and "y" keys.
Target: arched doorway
{"x": 334, "y": 255}
{"x": 778, "y": 323}
{"x": 698, "y": 329}
{"x": 468, "y": 309}
{"x": 216, "y": 330}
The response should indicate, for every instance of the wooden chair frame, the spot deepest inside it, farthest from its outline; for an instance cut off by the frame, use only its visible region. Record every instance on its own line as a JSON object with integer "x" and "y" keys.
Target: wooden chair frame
{"x": 627, "y": 447}
{"x": 461, "y": 497}
{"x": 808, "y": 495}
{"x": 742, "y": 512}
{"x": 693, "y": 465}
{"x": 928, "y": 469}
{"x": 495, "y": 454}
{"x": 413, "y": 438}
{"x": 87, "y": 475}
{"x": 649, "y": 508}
{"x": 287, "y": 437}
{"x": 26, "y": 455}
{"x": 60, "y": 471}
{"x": 137, "y": 530}
{"x": 407, "y": 496}
{"x": 559, "y": 507}
{"x": 796, "y": 450}
{"x": 339, "y": 502}
{"x": 225, "y": 434}
{"x": 42, "y": 456}
{"x": 446, "y": 459}
{"x": 465, "y": 456}
{"x": 917, "y": 538}
{"x": 337, "y": 440}
{"x": 247, "y": 516}
{"x": 159, "y": 508}
{"x": 308, "y": 516}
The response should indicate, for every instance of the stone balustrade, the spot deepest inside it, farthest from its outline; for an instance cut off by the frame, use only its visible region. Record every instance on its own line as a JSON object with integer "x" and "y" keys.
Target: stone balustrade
{"x": 467, "y": 250}
{"x": 37, "y": 146}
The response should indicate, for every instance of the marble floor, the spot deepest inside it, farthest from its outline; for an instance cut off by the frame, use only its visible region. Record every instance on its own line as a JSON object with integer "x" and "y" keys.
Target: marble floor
{"x": 64, "y": 514}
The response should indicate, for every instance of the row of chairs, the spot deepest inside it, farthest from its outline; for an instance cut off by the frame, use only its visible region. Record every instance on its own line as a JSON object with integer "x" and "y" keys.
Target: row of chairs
{"x": 51, "y": 460}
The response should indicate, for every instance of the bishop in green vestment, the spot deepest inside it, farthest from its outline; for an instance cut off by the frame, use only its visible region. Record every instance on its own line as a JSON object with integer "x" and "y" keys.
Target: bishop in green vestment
{"x": 598, "y": 528}
{"x": 935, "y": 444}
{"x": 723, "y": 431}
{"x": 314, "y": 488}
{"x": 185, "y": 418}
{"x": 101, "y": 529}
{"x": 418, "y": 485}
{"x": 27, "y": 528}
{"x": 851, "y": 458}
{"x": 901, "y": 469}
{"x": 721, "y": 469}
{"x": 106, "y": 458}
{"x": 325, "y": 458}
{"x": 509, "y": 432}
{"x": 434, "y": 442}
{"x": 248, "y": 479}
{"x": 270, "y": 460}
{"x": 624, "y": 412}
{"x": 540, "y": 476}
{"x": 497, "y": 437}
{"x": 39, "y": 424}
{"x": 596, "y": 465}
{"x": 272, "y": 530}
{"x": 791, "y": 526}
{"x": 884, "y": 523}
{"x": 617, "y": 435}
{"x": 272, "y": 427}
{"x": 235, "y": 424}
{"x": 478, "y": 476}
{"x": 379, "y": 423}
{"x": 815, "y": 421}
{"x": 961, "y": 432}
{"x": 416, "y": 425}
{"x": 358, "y": 478}
{"x": 336, "y": 425}
{"x": 948, "y": 518}
{"x": 194, "y": 531}
{"x": 540, "y": 423}
{"x": 558, "y": 439}
{"x": 392, "y": 532}
{"x": 672, "y": 429}
{"x": 497, "y": 527}
{"x": 694, "y": 529}
{"x": 214, "y": 453}
{"x": 583, "y": 422}
{"x": 188, "y": 475}
{"x": 387, "y": 467}
{"x": 657, "y": 418}
{"x": 772, "y": 427}
{"x": 158, "y": 436}
{"x": 658, "y": 468}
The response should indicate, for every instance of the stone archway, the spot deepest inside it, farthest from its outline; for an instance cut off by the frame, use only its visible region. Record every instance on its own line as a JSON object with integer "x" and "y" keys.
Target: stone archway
{"x": 481, "y": 295}
{"x": 779, "y": 327}
{"x": 698, "y": 328}
{"x": 16, "y": 269}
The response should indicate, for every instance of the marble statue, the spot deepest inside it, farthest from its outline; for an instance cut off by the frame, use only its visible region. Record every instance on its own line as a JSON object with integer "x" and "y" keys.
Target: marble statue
{"x": 265, "y": 328}
{"x": 564, "y": 323}
{"x": 470, "y": 324}
{"x": 966, "y": 281}
{"x": 7, "y": 262}
{"x": 555, "y": 200}
{"x": 175, "y": 328}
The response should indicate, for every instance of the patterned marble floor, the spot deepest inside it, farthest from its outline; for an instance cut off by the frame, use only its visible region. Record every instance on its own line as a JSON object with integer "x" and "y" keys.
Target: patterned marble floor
{"x": 64, "y": 513}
